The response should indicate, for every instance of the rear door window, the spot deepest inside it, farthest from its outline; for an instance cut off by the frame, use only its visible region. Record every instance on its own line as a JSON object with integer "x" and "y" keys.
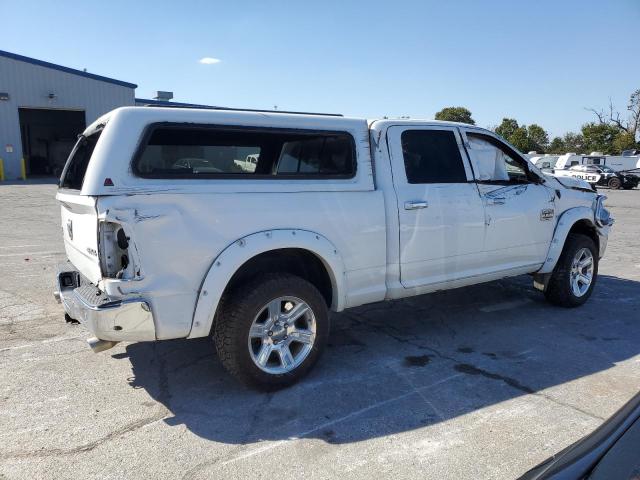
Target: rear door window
{"x": 236, "y": 152}
{"x": 76, "y": 167}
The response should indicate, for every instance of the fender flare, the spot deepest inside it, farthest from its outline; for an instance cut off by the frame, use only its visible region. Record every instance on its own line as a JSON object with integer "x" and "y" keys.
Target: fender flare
{"x": 236, "y": 254}
{"x": 565, "y": 222}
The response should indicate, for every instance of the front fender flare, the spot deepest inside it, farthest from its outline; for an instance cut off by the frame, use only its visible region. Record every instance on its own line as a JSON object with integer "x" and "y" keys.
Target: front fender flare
{"x": 565, "y": 222}
{"x": 244, "y": 249}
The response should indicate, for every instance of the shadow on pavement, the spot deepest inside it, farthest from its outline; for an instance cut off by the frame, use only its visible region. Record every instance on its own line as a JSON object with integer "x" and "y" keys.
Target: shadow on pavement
{"x": 401, "y": 365}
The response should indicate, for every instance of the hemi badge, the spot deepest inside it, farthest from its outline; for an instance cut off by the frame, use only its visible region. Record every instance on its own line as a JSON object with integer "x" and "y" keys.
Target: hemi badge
{"x": 546, "y": 214}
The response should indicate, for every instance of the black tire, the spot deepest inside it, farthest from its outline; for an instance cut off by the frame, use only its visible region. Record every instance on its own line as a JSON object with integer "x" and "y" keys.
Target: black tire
{"x": 614, "y": 183}
{"x": 236, "y": 314}
{"x": 559, "y": 291}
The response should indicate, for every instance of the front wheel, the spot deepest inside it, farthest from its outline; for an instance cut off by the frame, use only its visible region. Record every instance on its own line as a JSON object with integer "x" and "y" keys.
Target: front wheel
{"x": 270, "y": 332}
{"x": 575, "y": 275}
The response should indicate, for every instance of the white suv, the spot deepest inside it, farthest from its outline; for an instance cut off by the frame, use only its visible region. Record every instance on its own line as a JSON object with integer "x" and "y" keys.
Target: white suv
{"x": 168, "y": 238}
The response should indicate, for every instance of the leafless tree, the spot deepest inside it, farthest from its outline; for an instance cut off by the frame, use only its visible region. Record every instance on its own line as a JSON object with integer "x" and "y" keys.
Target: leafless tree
{"x": 612, "y": 116}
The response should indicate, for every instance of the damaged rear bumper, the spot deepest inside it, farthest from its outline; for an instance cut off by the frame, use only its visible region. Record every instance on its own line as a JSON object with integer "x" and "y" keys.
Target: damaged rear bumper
{"x": 112, "y": 320}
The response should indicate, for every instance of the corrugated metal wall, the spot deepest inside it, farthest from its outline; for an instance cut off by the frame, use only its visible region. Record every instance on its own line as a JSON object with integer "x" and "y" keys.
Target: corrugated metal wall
{"x": 29, "y": 85}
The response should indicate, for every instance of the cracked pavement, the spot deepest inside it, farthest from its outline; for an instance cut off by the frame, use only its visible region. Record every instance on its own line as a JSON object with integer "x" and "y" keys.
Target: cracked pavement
{"x": 481, "y": 382}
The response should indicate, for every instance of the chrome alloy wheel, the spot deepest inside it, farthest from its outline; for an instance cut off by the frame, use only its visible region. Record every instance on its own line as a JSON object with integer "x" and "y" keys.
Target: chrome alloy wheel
{"x": 581, "y": 272}
{"x": 282, "y": 335}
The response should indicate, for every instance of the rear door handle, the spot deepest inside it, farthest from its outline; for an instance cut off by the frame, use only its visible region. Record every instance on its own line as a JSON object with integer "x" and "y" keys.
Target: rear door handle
{"x": 415, "y": 204}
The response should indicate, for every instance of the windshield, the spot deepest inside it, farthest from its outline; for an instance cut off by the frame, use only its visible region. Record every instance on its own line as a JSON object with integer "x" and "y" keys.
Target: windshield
{"x": 606, "y": 169}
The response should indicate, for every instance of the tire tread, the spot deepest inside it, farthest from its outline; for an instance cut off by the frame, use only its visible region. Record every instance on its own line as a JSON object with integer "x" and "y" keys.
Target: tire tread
{"x": 234, "y": 311}
{"x": 558, "y": 291}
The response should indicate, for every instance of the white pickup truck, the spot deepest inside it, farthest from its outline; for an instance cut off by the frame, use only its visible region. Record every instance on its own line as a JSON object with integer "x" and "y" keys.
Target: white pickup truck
{"x": 338, "y": 212}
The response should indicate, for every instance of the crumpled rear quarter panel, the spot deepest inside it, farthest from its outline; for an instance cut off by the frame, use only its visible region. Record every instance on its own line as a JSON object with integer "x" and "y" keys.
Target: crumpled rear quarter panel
{"x": 177, "y": 237}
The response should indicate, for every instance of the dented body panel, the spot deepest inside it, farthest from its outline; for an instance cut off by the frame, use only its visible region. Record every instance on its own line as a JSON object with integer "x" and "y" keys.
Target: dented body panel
{"x": 179, "y": 236}
{"x": 173, "y": 244}
{"x": 240, "y": 251}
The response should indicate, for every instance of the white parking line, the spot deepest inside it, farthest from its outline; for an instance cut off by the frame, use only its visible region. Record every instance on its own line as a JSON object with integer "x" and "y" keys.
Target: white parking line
{"x": 5, "y": 247}
{"x": 21, "y": 254}
{"x": 339, "y": 420}
{"x": 50, "y": 340}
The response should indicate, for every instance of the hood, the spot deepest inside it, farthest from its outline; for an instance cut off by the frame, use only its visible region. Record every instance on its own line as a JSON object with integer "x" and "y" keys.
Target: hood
{"x": 572, "y": 182}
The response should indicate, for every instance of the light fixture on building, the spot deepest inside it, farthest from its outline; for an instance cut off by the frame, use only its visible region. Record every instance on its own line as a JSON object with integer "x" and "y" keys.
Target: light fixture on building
{"x": 4, "y": 96}
{"x": 51, "y": 96}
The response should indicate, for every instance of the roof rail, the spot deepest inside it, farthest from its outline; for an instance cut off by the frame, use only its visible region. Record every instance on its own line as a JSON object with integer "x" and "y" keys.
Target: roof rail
{"x": 160, "y": 103}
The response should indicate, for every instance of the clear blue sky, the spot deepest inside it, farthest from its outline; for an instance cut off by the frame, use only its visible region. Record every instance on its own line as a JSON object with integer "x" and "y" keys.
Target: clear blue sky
{"x": 537, "y": 61}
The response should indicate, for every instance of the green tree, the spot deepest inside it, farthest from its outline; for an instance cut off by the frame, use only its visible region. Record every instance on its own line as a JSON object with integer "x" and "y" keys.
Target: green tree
{"x": 624, "y": 141}
{"x": 520, "y": 139}
{"x": 455, "y": 114}
{"x": 507, "y": 128}
{"x": 573, "y": 142}
{"x": 599, "y": 137}
{"x": 538, "y": 138}
{"x": 524, "y": 138}
{"x": 557, "y": 146}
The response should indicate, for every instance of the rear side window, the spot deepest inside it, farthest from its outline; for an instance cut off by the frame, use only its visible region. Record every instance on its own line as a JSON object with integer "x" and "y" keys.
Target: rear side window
{"x": 432, "y": 156}
{"x": 213, "y": 152}
{"x": 76, "y": 167}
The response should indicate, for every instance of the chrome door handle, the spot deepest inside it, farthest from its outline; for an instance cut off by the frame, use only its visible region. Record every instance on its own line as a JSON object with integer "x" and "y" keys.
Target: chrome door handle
{"x": 415, "y": 205}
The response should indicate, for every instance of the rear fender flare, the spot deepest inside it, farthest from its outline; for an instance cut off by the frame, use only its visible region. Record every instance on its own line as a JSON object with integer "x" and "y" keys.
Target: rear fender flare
{"x": 244, "y": 249}
{"x": 566, "y": 221}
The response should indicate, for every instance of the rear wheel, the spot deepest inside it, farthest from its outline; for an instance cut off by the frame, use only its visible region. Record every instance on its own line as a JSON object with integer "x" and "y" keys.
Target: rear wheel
{"x": 271, "y": 336}
{"x": 614, "y": 183}
{"x": 575, "y": 275}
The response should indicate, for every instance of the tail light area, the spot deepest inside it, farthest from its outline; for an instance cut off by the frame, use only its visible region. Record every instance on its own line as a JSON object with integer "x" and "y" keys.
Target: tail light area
{"x": 115, "y": 258}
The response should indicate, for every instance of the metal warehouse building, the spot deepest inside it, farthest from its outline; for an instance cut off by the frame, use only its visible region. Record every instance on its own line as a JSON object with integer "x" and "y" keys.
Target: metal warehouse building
{"x": 43, "y": 107}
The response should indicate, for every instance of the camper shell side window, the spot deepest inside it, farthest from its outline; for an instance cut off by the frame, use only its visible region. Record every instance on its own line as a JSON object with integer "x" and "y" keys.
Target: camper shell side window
{"x": 171, "y": 151}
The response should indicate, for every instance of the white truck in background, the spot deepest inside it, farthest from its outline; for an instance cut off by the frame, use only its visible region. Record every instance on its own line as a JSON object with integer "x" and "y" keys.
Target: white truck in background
{"x": 167, "y": 238}
{"x": 628, "y": 164}
{"x": 545, "y": 162}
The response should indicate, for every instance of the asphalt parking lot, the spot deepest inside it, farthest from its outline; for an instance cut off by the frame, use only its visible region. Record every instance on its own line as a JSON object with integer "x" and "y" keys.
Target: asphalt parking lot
{"x": 482, "y": 382}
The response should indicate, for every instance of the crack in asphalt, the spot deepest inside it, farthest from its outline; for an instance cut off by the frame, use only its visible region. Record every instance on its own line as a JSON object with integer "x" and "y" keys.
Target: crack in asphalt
{"x": 164, "y": 400}
{"x": 52, "y": 452}
{"x": 165, "y": 395}
{"x": 468, "y": 369}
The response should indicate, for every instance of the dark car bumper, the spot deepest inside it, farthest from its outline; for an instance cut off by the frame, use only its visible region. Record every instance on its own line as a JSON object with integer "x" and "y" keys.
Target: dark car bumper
{"x": 580, "y": 459}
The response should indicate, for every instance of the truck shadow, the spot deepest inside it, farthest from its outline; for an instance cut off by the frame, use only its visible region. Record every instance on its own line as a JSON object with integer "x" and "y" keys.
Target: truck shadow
{"x": 402, "y": 365}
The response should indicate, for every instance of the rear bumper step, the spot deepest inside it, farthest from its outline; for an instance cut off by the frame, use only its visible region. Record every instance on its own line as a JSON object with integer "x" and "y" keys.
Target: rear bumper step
{"x": 109, "y": 320}
{"x": 98, "y": 345}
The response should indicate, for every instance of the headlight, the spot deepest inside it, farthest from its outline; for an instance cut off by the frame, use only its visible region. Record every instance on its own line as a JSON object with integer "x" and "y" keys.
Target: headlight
{"x": 602, "y": 216}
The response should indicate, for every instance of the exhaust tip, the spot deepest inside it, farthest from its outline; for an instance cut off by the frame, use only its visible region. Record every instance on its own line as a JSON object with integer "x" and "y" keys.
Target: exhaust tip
{"x": 98, "y": 345}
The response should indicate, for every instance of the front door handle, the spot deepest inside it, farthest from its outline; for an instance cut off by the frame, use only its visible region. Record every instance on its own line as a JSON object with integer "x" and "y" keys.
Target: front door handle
{"x": 415, "y": 204}
{"x": 495, "y": 200}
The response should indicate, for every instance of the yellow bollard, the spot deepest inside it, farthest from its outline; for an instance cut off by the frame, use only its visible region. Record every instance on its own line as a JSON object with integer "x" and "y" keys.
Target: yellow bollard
{"x": 23, "y": 169}
{"x": 1, "y": 170}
